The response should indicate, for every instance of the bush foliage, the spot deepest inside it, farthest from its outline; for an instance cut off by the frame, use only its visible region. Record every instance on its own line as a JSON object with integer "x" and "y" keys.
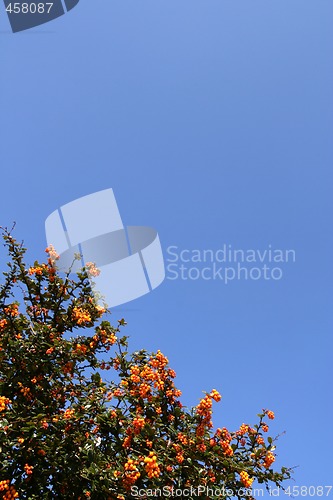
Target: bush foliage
{"x": 81, "y": 417}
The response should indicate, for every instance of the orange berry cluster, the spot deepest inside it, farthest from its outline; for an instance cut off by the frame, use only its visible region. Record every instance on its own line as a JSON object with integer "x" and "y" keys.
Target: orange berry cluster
{"x": 28, "y": 469}
{"x": 24, "y": 390}
{"x": 69, "y": 413}
{"x": 68, "y": 368}
{"x": 152, "y": 467}
{"x": 3, "y": 323}
{"x": 11, "y": 310}
{"x": 80, "y": 316}
{"x": 132, "y": 473}
{"x": 225, "y": 439}
{"x": 227, "y": 449}
{"x": 159, "y": 361}
{"x": 4, "y": 402}
{"x": 204, "y": 410}
{"x": 270, "y": 414}
{"x": 4, "y": 485}
{"x": 127, "y": 441}
{"x": 153, "y": 375}
{"x": 183, "y": 439}
{"x": 9, "y": 489}
{"x": 244, "y": 428}
{"x": 38, "y": 271}
{"x": 246, "y": 480}
{"x": 80, "y": 349}
{"x": 138, "y": 424}
{"x": 215, "y": 395}
{"x": 107, "y": 337}
{"x": 269, "y": 459}
{"x": 205, "y": 406}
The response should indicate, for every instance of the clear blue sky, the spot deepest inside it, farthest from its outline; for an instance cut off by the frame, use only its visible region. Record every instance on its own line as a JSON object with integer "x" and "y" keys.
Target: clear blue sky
{"x": 212, "y": 122}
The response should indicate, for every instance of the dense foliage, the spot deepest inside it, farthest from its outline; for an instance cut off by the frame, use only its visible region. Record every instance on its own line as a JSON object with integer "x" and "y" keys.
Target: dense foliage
{"x": 76, "y": 426}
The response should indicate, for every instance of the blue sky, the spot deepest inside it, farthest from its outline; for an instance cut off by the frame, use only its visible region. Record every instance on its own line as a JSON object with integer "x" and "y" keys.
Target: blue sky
{"x": 212, "y": 123}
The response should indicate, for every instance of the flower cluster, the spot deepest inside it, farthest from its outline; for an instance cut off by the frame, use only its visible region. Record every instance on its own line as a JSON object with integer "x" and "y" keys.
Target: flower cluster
{"x": 8, "y": 490}
{"x": 4, "y": 402}
{"x": 152, "y": 467}
{"x": 269, "y": 459}
{"x": 132, "y": 473}
{"x": 81, "y": 316}
{"x": 246, "y": 480}
{"x": 53, "y": 255}
{"x": 92, "y": 269}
